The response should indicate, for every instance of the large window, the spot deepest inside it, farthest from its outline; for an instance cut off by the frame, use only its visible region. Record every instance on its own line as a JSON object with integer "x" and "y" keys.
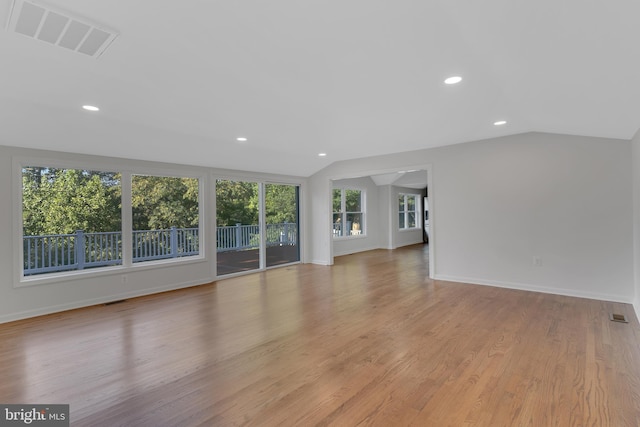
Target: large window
{"x": 348, "y": 212}
{"x": 71, "y": 219}
{"x": 165, "y": 217}
{"x": 408, "y": 211}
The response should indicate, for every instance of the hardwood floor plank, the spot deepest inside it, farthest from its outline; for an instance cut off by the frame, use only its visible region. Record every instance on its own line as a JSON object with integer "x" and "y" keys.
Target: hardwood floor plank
{"x": 369, "y": 341}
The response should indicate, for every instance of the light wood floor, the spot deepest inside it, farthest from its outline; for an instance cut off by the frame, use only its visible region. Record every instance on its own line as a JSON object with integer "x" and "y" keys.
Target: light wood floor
{"x": 369, "y": 341}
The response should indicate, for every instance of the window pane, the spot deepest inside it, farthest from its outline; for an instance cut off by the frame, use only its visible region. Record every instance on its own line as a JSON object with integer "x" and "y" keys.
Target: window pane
{"x": 337, "y": 224}
{"x": 71, "y": 219}
{"x": 401, "y": 220}
{"x": 281, "y": 213}
{"x": 354, "y": 224}
{"x": 353, "y": 202}
{"x": 411, "y": 202}
{"x": 412, "y": 220}
{"x": 165, "y": 217}
{"x": 238, "y": 227}
{"x": 337, "y": 200}
{"x": 401, "y": 202}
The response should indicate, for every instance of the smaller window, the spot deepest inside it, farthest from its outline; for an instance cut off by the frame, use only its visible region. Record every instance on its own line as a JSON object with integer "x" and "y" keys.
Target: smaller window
{"x": 165, "y": 214}
{"x": 408, "y": 211}
{"x": 348, "y": 212}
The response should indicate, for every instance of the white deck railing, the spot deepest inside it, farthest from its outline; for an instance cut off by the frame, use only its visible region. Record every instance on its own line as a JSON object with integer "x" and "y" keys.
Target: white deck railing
{"x": 80, "y": 250}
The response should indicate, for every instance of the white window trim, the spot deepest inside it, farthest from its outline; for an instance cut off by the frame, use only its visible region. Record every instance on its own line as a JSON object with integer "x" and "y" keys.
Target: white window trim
{"x": 18, "y": 162}
{"x": 417, "y": 205}
{"x": 363, "y": 204}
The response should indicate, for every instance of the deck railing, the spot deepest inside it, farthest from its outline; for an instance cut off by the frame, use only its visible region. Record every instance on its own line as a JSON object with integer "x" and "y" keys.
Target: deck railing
{"x": 161, "y": 244}
{"x": 238, "y": 237}
{"x": 80, "y": 250}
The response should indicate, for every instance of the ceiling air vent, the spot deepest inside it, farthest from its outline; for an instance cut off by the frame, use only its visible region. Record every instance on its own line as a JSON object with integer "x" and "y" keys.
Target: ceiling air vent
{"x": 60, "y": 28}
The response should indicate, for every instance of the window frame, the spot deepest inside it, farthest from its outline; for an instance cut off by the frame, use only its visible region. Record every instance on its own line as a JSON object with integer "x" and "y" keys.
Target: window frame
{"x": 262, "y": 184}
{"x": 344, "y": 213}
{"x": 199, "y": 232}
{"x": 406, "y": 211}
{"x": 126, "y": 174}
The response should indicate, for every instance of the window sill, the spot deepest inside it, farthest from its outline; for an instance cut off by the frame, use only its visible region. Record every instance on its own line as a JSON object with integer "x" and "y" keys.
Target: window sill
{"x": 66, "y": 276}
{"x": 353, "y": 236}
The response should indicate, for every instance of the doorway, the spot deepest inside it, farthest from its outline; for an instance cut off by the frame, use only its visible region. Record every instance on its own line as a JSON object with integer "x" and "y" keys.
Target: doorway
{"x": 409, "y": 179}
{"x": 257, "y": 225}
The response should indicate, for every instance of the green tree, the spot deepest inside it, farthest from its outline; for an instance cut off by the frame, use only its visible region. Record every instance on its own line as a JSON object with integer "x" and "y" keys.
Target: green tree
{"x": 353, "y": 200}
{"x": 163, "y": 202}
{"x": 61, "y": 201}
{"x": 337, "y": 200}
{"x": 280, "y": 203}
{"x": 236, "y": 203}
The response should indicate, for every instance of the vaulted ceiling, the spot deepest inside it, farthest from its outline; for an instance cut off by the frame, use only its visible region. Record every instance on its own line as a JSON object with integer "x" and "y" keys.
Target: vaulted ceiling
{"x": 184, "y": 79}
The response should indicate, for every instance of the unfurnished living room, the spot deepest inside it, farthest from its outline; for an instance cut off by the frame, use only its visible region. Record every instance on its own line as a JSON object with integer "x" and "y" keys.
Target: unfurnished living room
{"x": 319, "y": 213}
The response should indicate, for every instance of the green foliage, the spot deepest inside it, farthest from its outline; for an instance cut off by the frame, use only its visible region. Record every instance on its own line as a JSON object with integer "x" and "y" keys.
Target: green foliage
{"x": 236, "y": 203}
{"x": 352, "y": 200}
{"x": 61, "y": 201}
{"x": 163, "y": 202}
{"x": 337, "y": 200}
{"x": 280, "y": 203}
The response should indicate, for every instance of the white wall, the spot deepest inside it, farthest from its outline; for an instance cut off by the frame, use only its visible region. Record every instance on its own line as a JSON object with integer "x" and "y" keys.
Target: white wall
{"x": 385, "y": 216}
{"x": 319, "y": 244}
{"x": 635, "y": 144}
{"x": 87, "y": 288}
{"x": 501, "y": 202}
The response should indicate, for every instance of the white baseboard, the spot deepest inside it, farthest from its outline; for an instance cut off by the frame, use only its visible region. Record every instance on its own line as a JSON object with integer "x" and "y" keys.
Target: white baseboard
{"x": 404, "y": 244}
{"x": 95, "y": 301}
{"x": 358, "y": 250}
{"x": 534, "y": 288}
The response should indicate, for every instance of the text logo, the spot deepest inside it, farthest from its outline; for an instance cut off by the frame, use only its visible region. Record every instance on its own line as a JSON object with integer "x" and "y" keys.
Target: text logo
{"x": 34, "y": 415}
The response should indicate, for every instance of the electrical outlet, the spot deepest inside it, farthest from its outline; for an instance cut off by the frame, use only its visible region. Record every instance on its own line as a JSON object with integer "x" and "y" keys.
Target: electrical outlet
{"x": 537, "y": 261}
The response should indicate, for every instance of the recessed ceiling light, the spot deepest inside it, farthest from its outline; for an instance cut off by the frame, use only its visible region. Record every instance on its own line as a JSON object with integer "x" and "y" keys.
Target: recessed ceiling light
{"x": 241, "y": 139}
{"x": 90, "y": 108}
{"x": 453, "y": 80}
{"x": 500, "y": 123}
{"x": 322, "y": 154}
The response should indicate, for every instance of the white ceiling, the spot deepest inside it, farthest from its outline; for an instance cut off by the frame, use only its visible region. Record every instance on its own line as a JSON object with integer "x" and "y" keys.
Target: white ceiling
{"x": 350, "y": 78}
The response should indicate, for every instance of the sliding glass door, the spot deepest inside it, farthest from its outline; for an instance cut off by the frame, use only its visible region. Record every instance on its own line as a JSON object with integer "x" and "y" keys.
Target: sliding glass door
{"x": 257, "y": 225}
{"x": 282, "y": 224}
{"x": 238, "y": 233}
